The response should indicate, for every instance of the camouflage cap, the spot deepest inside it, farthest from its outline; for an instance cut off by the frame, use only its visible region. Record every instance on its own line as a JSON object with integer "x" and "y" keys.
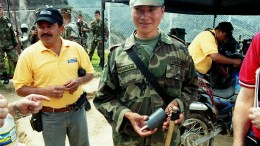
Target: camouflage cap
{"x": 133, "y": 3}
{"x": 65, "y": 10}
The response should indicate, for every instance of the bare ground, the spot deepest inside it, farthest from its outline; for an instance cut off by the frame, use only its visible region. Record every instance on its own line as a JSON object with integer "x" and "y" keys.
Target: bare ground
{"x": 98, "y": 128}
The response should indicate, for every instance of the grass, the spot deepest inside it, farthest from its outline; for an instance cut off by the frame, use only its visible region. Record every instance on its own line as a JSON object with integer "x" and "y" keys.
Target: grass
{"x": 95, "y": 62}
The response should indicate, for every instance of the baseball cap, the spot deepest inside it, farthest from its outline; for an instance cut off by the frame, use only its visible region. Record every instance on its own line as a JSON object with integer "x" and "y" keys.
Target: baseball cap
{"x": 226, "y": 27}
{"x": 51, "y": 15}
{"x": 133, "y": 3}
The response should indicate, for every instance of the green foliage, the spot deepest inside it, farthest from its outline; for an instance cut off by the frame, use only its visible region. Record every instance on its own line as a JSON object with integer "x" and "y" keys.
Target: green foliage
{"x": 95, "y": 62}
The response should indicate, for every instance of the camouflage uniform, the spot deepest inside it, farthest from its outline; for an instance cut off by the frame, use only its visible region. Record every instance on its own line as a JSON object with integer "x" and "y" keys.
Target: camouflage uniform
{"x": 33, "y": 38}
{"x": 71, "y": 31}
{"x": 7, "y": 43}
{"x": 96, "y": 41}
{"x": 123, "y": 88}
{"x": 83, "y": 30}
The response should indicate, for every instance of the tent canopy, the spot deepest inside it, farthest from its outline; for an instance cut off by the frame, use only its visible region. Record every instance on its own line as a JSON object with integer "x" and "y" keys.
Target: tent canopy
{"x": 208, "y": 7}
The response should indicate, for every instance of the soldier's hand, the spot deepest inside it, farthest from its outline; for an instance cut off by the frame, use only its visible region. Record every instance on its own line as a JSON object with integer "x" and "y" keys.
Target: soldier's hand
{"x": 138, "y": 122}
{"x": 169, "y": 108}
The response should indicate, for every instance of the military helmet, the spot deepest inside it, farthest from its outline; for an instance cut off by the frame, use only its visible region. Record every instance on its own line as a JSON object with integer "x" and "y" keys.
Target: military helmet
{"x": 24, "y": 27}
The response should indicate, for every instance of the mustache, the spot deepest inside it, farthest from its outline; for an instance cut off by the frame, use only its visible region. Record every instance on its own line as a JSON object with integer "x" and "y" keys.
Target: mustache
{"x": 45, "y": 34}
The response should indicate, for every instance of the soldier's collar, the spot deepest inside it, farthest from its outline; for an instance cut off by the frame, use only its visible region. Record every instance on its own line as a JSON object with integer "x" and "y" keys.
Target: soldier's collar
{"x": 131, "y": 40}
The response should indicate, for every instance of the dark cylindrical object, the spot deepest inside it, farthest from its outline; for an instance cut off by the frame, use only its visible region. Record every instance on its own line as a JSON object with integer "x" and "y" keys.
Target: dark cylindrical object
{"x": 179, "y": 32}
{"x": 156, "y": 119}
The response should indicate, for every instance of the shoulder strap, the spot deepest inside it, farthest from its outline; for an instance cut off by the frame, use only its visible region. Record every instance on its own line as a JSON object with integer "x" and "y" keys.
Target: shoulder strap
{"x": 211, "y": 32}
{"x": 148, "y": 75}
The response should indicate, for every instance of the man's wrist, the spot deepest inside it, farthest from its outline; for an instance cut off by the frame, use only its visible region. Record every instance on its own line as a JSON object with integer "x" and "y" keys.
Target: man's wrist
{"x": 17, "y": 112}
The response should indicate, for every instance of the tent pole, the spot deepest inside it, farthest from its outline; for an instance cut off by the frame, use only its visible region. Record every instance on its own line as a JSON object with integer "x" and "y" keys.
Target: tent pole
{"x": 214, "y": 20}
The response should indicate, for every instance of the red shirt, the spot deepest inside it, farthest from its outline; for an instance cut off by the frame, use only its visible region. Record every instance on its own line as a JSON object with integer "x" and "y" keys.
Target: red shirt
{"x": 250, "y": 64}
{"x": 248, "y": 69}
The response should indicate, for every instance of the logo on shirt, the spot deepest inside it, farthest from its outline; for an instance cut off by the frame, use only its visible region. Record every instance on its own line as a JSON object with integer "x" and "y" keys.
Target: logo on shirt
{"x": 73, "y": 60}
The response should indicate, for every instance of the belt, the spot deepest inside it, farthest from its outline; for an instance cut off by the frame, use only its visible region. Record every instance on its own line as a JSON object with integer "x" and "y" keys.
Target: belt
{"x": 58, "y": 110}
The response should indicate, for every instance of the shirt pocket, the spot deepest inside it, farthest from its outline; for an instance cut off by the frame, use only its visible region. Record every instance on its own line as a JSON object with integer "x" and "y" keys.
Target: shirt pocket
{"x": 129, "y": 74}
{"x": 173, "y": 79}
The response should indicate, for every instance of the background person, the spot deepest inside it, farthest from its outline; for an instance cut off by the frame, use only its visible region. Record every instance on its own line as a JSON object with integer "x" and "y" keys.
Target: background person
{"x": 83, "y": 31}
{"x": 8, "y": 46}
{"x": 125, "y": 97}
{"x": 50, "y": 67}
{"x": 71, "y": 31}
{"x": 245, "y": 114}
{"x": 96, "y": 42}
{"x": 204, "y": 48}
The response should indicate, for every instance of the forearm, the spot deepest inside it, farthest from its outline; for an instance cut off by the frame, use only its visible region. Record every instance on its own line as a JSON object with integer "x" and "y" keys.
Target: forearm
{"x": 218, "y": 58}
{"x": 241, "y": 120}
{"x": 26, "y": 90}
{"x": 241, "y": 123}
{"x": 85, "y": 79}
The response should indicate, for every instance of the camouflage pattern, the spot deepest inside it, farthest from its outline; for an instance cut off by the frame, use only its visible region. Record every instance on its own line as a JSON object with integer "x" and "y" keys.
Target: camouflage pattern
{"x": 8, "y": 41}
{"x": 33, "y": 38}
{"x": 123, "y": 88}
{"x": 71, "y": 32}
{"x": 96, "y": 41}
{"x": 83, "y": 32}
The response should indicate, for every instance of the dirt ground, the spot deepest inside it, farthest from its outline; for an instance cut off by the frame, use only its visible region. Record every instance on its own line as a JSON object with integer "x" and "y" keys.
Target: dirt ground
{"x": 98, "y": 128}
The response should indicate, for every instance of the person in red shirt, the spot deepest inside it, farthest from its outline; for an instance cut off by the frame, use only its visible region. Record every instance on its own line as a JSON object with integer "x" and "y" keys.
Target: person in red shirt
{"x": 245, "y": 114}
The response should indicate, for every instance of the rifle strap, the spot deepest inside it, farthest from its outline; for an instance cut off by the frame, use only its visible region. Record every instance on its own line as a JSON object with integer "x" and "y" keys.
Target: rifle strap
{"x": 149, "y": 76}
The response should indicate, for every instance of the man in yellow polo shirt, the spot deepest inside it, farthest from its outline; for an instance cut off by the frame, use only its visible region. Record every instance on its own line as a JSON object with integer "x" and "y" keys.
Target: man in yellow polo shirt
{"x": 204, "y": 48}
{"x": 50, "y": 67}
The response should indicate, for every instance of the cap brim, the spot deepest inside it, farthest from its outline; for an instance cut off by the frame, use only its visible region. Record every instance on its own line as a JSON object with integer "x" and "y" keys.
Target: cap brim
{"x": 146, "y": 4}
{"x": 48, "y": 19}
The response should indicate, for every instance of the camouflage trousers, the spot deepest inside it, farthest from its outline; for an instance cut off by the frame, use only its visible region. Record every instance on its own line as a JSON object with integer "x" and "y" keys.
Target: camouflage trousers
{"x": 96, "y": 44}
{"x": 84, "y": 43}
{"x": 12, "y": 59}
{"x": 157, "y": 139}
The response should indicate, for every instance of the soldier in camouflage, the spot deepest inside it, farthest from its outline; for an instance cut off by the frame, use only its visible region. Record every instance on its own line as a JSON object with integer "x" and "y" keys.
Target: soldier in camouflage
{"x": 83, "y": 31}
{"x": 33, "y": 35}
{"x": 8, "y": 43}
{"x": 125, "y": 97}
{"x": 96, "y": 41}
{"x": 71, "y": 31}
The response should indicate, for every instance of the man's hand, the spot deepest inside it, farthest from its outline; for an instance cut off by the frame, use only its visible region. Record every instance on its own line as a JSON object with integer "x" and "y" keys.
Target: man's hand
{"x": 72, "y": 85}
{"x": 138, "y": 122}
{"x": 3, "y": 110}
{"x": 169, "y": 108}
{"x": 55, "y": 91}
{"x": 30, "y": 104}
{"x": 254, "y": 116}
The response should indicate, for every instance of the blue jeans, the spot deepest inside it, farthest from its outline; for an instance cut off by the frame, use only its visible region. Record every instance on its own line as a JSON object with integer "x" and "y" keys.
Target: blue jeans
{"x": 57, "y": 125}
